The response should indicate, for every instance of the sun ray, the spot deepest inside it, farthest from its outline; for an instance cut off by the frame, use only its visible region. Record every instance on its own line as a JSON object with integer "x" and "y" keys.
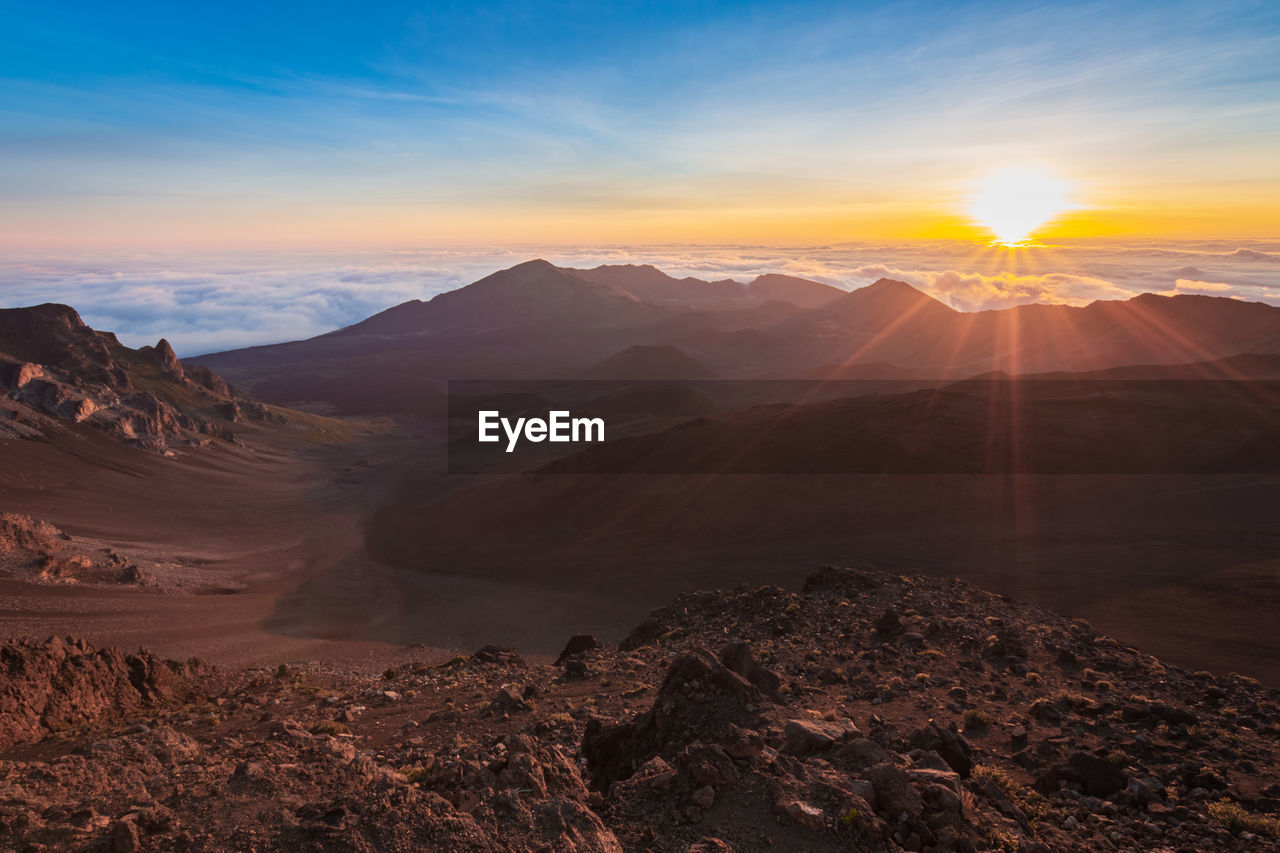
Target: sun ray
{"x": 1012, "y": 203}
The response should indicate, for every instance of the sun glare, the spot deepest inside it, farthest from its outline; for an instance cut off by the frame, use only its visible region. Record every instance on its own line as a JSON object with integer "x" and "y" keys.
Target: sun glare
{"x": 1012, "y": 203}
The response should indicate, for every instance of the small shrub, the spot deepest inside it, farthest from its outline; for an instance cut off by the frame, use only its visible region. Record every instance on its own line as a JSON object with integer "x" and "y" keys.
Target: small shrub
{"x": 417, "y": 774}
{"x": 390, "y": 675}
{"x": 1235, "y": 818}
{"x": 976, "y": 719}
{"x": 1001, "y": 840}
{"x": 1001, "y": 779}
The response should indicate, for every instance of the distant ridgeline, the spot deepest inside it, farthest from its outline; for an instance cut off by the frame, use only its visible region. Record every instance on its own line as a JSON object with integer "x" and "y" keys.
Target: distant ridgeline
{"x": 537, "y": 321}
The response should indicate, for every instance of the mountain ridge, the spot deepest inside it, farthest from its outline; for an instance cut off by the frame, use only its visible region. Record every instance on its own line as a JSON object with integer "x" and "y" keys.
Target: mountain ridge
{"x": 536, "y": 320}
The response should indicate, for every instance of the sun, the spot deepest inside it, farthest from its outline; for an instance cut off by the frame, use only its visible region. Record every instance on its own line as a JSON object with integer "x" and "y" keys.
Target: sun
{"x": 1013, "y": 202}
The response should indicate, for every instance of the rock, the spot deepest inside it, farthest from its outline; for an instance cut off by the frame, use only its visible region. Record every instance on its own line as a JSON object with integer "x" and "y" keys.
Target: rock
{"x": 709, "y": 845}
{"x": 858, "y": 754}
{"x": 64, "y": 682}
{"x": 803, "y": 814}
{"x": 742, "y": 743}
{"x": 1158, "y": 712}
{"x": 569, "y": 825}
{"x": 889, "y": 623}
{"x": 168, "y": 360}
{"x": 928, "y": 760}
{"x": 210, "y": 381}
{"x": 1045, "y": 711}
{"x": 894, "y": 794}
{"x": 507, "y": 701}
{"x": 704, "y": 798}
{"x": 737, "y": 658}
{"x": 124, "y": 837}
{"x": 576, "y": 669}
{"x": 699, "y": 701}
{"x": 498, "y": 655}
{"x": 708, "y": 765}
{"x": 948, "y": 743}
{"x": 945, "y": 778}
{"x": 657, "y": 774}
{"x": 1096, "y": 776}
{"x": 1145, "y": 791}
{"x": 577, "y": 644}
{"x": 804, "y": 737}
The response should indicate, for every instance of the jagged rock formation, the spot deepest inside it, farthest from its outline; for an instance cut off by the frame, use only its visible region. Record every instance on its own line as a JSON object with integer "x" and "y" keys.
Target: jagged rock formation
{"x": 51, "y": 686}
{"x": 55, "y": 370}
{"x": 868, "y": 711}
{"x": 36, "y": 550}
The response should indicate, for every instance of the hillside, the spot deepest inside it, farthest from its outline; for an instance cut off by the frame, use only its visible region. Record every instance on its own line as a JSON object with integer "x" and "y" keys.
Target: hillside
{"x": 649, "y": 362}
{"x": 867, "y": 711}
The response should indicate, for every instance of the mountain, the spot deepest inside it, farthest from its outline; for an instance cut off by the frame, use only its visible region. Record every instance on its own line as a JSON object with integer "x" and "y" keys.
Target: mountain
{"x": 888, "y": 307}
{"x": 649, "y": 362}
{"x": 892, "y": 322}
{"x": 533, "y": 293}
{"x": 536, "y": 320}
{"x": 798, "y": 291}
{"x": 650, "y": 284}
{"x": 58, "y": 371}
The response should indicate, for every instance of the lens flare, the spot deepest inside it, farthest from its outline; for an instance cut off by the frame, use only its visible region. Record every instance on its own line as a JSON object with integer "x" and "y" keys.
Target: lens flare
{"x": 1012, "y": 203}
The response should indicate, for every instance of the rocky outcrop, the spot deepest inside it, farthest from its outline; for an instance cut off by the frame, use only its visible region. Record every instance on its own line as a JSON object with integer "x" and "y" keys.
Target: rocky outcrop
{"x": 166, "y": 359}
{"x": 35, "y": 550}
{"x": 56, "y": 370}
{"x": 60, "y": 683}
{"x": 920, "y": 738}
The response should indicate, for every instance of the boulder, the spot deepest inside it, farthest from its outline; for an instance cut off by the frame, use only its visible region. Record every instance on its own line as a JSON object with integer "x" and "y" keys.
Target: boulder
{"x": 805, "y": 737}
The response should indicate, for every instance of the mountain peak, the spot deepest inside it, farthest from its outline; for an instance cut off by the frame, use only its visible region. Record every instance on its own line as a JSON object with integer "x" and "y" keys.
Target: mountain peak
{"x": 893, "y": 292}
{"x": 788, "y": 288}
{"x": 535, "y": 264}
{"x": 893, "y": 285}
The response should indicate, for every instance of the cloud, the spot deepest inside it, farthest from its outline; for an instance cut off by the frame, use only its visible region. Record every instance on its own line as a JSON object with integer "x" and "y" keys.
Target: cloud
{"x": 1254, "y": 255}
{"x": 967, "y": 291}
{"x": 1194, "y": 286}
{"x": 204, "y": 303}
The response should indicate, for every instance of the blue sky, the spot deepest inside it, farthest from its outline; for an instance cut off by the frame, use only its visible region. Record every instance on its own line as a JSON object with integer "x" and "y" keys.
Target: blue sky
{"x": 233, "y": 173}
{"x": 384, "y": 124}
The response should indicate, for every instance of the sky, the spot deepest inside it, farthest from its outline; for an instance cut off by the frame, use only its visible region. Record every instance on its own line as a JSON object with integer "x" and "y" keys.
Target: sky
{"x": 320, "y": 125}
{"x": 232, "y": 173}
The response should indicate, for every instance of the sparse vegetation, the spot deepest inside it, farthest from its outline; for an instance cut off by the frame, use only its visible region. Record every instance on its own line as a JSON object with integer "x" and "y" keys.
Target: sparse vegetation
{"x": 417, "y": 774}
{"x": 329, "y": 727}
{"x": 977, "y": 719}
{"x": 1238, "y": 819}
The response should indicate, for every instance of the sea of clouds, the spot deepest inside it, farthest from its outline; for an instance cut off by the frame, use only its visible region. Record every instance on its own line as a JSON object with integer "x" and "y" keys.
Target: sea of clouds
{"x": 209, "y": 302}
